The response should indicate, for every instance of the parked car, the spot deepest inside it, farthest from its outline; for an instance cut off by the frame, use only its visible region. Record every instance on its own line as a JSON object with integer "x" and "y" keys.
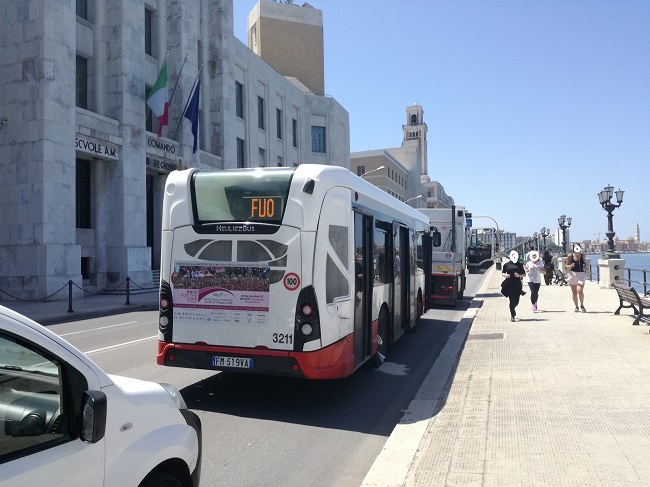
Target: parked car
{"x": 65, "y": 422}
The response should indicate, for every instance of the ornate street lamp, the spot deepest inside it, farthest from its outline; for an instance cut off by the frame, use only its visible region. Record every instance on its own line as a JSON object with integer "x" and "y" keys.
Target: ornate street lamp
{"x": 564, "y": 222}
{"x": 605, "y": 198}
{"x": 544, "y": 232}
{"x": 536, "y": 237}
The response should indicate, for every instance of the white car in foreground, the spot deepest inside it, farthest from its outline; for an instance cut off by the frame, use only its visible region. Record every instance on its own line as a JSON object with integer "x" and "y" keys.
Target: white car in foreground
{"x": 65, "y": 422}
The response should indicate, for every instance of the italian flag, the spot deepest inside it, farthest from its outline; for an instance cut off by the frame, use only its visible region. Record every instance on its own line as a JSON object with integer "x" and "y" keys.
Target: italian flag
{"x": 157, "y": 99}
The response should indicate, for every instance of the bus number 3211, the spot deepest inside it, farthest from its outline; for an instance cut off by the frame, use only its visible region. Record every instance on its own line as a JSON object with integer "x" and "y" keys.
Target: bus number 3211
{"x": 283, "y": 338}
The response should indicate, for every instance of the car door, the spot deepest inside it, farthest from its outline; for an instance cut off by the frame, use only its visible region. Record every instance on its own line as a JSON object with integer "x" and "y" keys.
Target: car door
{"x": 39, "y": 420}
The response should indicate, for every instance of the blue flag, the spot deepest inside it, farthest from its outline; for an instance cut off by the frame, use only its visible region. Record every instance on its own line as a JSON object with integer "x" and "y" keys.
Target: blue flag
{"x": 192, "y": 114}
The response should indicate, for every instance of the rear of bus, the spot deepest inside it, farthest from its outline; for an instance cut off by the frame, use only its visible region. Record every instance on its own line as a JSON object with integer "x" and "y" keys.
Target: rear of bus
{"x": 232, "y": 295}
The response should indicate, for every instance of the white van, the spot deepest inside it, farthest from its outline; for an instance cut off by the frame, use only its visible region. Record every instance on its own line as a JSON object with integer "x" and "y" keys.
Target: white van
{"x": 65, "y": 422}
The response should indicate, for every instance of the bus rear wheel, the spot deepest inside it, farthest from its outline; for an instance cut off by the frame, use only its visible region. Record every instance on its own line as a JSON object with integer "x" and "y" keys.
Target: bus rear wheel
{"x": 382, "y": 337}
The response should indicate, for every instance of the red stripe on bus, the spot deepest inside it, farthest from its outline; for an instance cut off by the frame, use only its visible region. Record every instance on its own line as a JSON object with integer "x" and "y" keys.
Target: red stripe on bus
{"x": 332, "y": 362}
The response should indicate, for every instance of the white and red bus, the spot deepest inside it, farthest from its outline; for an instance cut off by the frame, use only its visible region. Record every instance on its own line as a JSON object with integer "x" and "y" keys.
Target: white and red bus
{"x": 303, "y": 272}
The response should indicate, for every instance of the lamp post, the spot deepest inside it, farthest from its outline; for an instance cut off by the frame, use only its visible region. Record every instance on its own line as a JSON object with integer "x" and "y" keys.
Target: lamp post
{"x": 605, "y": 198}
{"x": 536, "y": 237}
{"x": 564, "y": 222}
{"x": 414, "y": 198}
{"x": 372, "y": 170}
{"x": 544, "y": 233}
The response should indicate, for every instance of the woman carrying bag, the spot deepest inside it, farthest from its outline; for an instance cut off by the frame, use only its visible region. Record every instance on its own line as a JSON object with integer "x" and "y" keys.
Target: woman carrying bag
{"x": 511, "y": 287}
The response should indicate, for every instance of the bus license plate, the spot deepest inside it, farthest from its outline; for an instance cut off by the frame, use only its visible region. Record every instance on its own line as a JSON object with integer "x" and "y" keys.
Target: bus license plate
{"x": 235, "y": 362}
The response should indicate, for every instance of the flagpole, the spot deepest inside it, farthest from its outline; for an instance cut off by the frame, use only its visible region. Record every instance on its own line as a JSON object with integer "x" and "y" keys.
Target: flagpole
{"x": 177, "y": 80}
{"x": 188, "y": 101}
{"x": 163, "y": 63}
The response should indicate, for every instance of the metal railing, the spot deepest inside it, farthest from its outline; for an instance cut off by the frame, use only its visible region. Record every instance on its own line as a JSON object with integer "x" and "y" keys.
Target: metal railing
{"x": 641, "y": 274}
{"x": 636, "y": 278}
{"x": 591, "y": 274}
{"x": 119, "y": 290}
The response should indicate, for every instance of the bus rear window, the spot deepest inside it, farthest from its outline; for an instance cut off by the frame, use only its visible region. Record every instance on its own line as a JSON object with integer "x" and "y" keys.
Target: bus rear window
{"x": 241, "y": 195}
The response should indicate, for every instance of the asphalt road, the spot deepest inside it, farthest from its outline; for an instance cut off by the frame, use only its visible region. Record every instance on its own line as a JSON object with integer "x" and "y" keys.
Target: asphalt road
{"x": 276, "y": 431}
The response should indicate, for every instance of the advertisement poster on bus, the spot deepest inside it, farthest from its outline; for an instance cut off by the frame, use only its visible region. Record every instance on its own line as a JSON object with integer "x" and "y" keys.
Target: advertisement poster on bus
{"x": 229, "y": 293}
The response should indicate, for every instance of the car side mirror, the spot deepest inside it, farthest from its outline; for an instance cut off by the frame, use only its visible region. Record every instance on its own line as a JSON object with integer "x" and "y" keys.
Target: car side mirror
{"x": 93, "y": 416}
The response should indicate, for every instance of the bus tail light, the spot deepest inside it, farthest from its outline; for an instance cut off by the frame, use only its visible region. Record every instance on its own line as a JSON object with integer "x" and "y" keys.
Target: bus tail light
{"x": 307, "y": 310}
{"x": 307, "y": 319}
{"x": 165, "y": 315}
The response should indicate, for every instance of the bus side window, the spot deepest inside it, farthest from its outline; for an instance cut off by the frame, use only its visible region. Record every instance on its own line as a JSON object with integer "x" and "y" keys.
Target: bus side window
{"x": 336, "y": 282}
{"x": 379, "y": 258}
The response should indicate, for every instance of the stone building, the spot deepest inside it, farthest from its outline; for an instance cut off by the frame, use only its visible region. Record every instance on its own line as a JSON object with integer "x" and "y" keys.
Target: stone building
{"x": 82, "y": 170}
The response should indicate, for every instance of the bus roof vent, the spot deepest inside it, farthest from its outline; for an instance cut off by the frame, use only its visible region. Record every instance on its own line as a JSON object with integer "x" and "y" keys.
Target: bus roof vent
{"x": 309, "y": 186}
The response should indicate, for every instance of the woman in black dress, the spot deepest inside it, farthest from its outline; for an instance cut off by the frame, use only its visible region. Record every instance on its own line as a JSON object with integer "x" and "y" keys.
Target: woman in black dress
{"x": 511, "y": 287}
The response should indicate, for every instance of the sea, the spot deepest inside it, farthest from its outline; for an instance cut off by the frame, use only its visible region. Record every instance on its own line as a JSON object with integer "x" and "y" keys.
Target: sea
{"x": 636, "y": 264}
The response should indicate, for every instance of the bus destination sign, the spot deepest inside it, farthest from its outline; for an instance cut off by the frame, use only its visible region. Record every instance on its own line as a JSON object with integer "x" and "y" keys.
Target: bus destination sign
{"x": 263, "y": 208}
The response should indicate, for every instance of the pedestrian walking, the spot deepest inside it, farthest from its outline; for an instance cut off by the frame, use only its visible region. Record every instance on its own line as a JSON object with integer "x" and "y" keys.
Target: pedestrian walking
{"x": 549, "y": 267}
{"x": 511, "y": 287}
{"x": 576, "y": 264}
{"x": 534, "y": 271}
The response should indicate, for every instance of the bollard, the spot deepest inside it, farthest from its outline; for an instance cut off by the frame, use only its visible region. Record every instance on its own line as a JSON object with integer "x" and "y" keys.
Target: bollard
{"x": 69, "y": 295}
{"x": 128, "y": 290}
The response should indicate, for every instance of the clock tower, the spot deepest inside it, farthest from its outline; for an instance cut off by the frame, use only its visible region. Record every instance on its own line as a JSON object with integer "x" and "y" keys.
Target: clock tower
{"x": 415, "y": 134}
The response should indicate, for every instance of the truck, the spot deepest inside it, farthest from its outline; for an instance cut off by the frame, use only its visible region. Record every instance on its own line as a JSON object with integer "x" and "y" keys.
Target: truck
{"x": 65, "y": 422}
{"x": 448, "y": 232}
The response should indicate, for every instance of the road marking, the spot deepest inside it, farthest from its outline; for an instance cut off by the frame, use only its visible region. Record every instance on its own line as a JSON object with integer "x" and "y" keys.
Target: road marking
{"x": 120, "y": 345}
{"x": 94, "y": 329}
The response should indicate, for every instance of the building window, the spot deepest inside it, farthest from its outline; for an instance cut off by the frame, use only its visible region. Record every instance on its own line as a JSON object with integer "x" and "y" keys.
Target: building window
{"x": 318, "y": 139}
{"x": 149, "y": 117}
{"x": 240, "y": 154}
{"x": 262, "y": 154}
{"x": 260, "y": 112}
{"x": 278, "y": 117}
{"x": 239, "y": 99}
{"x": 82, "y": 82}
{"x": 148, "y": 36}
{"x": 82, "y": 9}
{"x": 82, "y": 201}
{"x": 280, "y": 161}
{"x": 361, "y": 170}
{"x": 294, "y": 131}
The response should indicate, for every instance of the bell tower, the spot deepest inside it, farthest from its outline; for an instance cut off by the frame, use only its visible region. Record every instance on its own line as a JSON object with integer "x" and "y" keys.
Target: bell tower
{"x": 415, "y": 133}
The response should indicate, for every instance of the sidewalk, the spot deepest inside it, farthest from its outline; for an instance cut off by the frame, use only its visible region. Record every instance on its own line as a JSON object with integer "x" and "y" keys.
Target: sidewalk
{"x": 50, "y": 312}
{"x": 558, "y": 398}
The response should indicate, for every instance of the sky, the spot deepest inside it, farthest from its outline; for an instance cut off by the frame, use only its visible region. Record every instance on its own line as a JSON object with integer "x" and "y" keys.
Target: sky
{"x": 532, "y": 107}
